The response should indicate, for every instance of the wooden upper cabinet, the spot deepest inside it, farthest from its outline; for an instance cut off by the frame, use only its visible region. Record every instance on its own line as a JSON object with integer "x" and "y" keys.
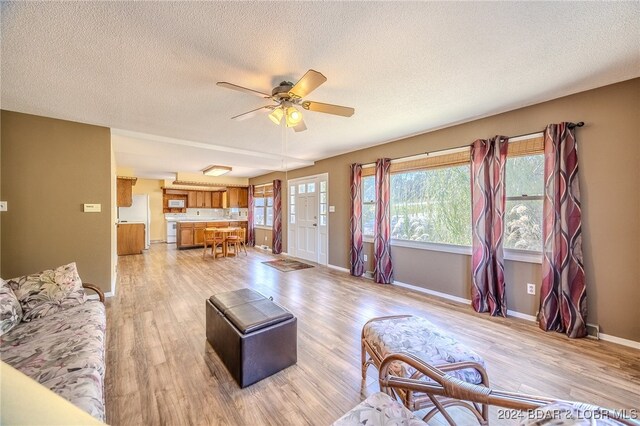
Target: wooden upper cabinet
{"x": 238, "y": 197}
{"x": 192, "y": 199}
{"x": 216, "y": 199}
{"x": 124, "y": 192}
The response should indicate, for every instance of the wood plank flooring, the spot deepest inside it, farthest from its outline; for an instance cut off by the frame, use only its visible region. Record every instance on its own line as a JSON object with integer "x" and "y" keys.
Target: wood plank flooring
{"x": 162, "y": 371}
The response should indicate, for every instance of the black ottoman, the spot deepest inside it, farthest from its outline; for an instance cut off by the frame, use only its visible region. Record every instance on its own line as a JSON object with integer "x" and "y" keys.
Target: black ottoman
{"x": 253, "y": 336}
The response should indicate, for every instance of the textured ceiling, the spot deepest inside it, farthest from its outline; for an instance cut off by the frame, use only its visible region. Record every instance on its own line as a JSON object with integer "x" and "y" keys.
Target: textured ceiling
{"x": 151, "y": 68}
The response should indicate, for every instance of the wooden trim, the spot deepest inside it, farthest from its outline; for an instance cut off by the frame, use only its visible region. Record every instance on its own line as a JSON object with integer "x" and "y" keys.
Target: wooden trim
{"x": 96, "y": 289}
{"x": 133, "y": 180}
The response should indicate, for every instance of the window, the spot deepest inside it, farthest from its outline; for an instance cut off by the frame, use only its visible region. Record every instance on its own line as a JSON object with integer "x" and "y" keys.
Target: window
{"x": 524, "y": 199}
{"x": 432, "y": 205}
{"x": 323, "y": 203}
{"x": 263, "y": 206}
{"x": 368, "y": 204}
{"x": 292, "y": 204}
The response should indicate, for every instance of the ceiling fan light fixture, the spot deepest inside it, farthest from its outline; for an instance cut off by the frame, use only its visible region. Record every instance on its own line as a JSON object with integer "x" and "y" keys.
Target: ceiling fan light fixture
{"x": 276, "y": 115}
{"x": 216, "y": 170}
{"x": 293, "y": 117}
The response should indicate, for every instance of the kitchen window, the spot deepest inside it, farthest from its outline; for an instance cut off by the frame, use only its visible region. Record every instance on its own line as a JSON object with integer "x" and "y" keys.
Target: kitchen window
{"x": 263, "y": 206}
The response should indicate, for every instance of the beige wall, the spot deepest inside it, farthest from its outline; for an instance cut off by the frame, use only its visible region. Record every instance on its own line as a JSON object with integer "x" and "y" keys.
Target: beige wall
{"x": 609, "y": 176}
{"x": 50, "y": 168}
{"x": 264, "y": 237}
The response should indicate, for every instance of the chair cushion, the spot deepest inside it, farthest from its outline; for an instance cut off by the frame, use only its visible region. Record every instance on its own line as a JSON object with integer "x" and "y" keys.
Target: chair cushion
{"x": 10, "y": 310}
{"x": 421, "y": 338}
{"x": 379, "y": 409}
{"x": 49, "y": 291}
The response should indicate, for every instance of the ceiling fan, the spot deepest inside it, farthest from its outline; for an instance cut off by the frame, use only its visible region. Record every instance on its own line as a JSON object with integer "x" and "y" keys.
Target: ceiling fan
{"x": 287, "y": 97}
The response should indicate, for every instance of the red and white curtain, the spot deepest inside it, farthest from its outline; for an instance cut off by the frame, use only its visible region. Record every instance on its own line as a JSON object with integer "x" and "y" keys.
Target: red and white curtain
{"x": 563, "y": 295}
{"x": 357, "y": 244}
{"x": 251, "y": 227}
{"x": 383, "y": 265}
{"x": 488, "y": 162}
{"x": 277, "y": 217}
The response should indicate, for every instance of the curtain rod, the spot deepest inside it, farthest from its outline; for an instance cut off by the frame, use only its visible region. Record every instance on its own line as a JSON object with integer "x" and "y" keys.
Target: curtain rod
{"x": 571, "y": 126}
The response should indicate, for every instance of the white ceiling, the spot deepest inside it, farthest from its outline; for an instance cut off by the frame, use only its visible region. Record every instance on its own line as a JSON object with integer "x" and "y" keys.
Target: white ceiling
{"x": 150, "y": 68}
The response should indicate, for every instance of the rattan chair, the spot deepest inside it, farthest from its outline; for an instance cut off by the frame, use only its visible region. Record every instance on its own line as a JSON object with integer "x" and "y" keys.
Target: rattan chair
{"x": 446, "y": 391}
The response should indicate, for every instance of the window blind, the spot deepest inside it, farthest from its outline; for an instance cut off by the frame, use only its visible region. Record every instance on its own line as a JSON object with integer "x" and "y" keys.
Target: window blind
{"x": 263, "y": 191}
{"x": 526, "y": 147}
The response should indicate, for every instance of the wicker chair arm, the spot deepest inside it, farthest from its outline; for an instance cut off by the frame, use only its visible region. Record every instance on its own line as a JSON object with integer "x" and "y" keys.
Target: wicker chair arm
{"x": 96, "y": 289}
{"x": 448, "y": 386}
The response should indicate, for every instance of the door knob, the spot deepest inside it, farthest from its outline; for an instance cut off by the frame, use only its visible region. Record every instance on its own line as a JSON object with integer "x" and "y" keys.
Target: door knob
{"x": 315, "y": 224}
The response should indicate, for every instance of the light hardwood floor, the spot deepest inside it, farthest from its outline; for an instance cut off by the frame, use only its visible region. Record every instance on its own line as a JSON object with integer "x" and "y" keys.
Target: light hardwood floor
{"x": 162, "y": 371}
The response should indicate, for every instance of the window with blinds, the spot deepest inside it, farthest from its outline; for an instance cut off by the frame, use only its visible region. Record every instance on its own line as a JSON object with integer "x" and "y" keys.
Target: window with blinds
{"x": 263, "y": 205}
{"x": 524, "y": 183}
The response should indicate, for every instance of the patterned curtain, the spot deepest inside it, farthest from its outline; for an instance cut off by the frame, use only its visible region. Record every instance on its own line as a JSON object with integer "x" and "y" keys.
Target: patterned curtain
{"x": 563, "y": 295}
{"x": 488, "y": 160}
{"x": 277, "y": 217}
{"x": 251, "y": 230}
{"x": 383, "y": 266}
{"x": 356, "y": 249}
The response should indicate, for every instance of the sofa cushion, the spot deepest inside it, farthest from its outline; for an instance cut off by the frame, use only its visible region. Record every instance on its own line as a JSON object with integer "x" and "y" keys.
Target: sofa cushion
{"x": 10, "y": 310}
{"x": 68, "y": 340}
{"x": 379, "y": 410}
{"x": 83, "y": 388}
{"x": 49, "y": 291}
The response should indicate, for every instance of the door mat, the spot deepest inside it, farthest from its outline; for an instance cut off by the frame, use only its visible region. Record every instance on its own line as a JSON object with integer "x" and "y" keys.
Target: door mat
{"x": 286, "y": 265}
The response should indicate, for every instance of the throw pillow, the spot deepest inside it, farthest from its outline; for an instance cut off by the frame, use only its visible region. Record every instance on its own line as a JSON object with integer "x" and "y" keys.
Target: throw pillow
{"x": 49, "y": 291}
{"x": 10, "y": 310}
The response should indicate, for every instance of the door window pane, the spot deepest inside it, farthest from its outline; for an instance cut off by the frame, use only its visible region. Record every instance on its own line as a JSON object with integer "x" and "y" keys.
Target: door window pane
{"x": 311, "y": 187}
{"x": 323, "y": 220}
{"x": 301, "y": 188}
{"x": 323, "y": 186}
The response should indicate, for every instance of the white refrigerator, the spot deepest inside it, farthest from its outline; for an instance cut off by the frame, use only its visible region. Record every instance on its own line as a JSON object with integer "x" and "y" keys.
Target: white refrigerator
{"x": 138, "y": 213}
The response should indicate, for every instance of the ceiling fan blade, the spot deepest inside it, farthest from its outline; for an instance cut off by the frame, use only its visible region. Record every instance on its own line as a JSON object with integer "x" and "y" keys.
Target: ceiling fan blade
{"x": 307, "y": 84}
{"x": 250, "y": 114}
{"x": 242, "y": 89}
{"x": 300, "y": 127}
{"x": 328, "y": 108}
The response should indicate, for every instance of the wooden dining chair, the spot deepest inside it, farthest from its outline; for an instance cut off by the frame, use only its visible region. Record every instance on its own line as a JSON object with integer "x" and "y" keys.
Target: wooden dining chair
{"x": 214, "y": 239}
{"x": 235, "y": 240}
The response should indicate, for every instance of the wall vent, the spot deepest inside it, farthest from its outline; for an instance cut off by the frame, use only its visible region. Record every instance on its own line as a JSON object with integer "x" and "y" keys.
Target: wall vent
{"x": 593, "y": 331}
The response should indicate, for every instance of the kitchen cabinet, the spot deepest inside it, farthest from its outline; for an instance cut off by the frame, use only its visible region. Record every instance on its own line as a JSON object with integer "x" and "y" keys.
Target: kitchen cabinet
{"x": 199, "y": 199}
{"x": 216, "y": 200}
{"x": 130, "y": 238}
{"x": 191, "y": 234}
{"x": 238, "y": 197}
{"x": 185, "y": 235}
{"x": 124, "y": 192}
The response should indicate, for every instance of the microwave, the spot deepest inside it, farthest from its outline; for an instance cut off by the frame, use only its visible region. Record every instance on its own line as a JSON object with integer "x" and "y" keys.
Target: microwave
{"x": 176, "y": 204}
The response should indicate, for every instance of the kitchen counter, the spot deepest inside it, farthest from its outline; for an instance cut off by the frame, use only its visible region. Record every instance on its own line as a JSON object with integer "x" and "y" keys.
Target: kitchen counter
{"x": 190, "y": 233}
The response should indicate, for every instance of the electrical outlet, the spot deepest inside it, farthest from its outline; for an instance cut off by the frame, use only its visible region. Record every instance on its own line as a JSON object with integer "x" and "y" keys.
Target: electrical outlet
{"x": 531, "y": 288}
{"x": 365, "y": 257}
{"x": 3, "y": 206}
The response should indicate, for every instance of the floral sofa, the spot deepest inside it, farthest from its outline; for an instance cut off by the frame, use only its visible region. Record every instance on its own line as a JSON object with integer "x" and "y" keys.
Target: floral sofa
{"x": 53, "y": 334}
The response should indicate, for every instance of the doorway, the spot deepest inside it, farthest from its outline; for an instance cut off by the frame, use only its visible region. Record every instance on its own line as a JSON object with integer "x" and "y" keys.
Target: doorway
{"x": 308, "y": 219}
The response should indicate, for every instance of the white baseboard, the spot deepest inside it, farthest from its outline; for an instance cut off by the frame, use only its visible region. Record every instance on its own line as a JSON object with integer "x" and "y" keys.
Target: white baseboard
{"x": 338, "y": 268}
{"x": 433, "y": 292}
{"x": 96, "y": 297}
{"x": 619, "y": 341}
{"x": 520, "y": 315}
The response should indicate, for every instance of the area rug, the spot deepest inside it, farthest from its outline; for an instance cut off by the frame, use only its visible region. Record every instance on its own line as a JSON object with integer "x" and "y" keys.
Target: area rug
{"x": 287, "y": 265}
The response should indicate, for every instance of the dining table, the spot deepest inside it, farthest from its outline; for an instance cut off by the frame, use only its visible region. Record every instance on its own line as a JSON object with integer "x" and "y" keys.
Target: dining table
{"x": 225, "y": 233}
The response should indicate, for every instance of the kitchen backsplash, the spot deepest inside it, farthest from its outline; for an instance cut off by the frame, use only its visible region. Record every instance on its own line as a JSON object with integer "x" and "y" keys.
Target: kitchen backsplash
{"x": 234, "y": 213}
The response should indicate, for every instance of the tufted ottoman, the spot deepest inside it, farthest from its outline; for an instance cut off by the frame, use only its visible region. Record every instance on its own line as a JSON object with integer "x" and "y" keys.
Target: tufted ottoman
{"x": 415, "y": 335}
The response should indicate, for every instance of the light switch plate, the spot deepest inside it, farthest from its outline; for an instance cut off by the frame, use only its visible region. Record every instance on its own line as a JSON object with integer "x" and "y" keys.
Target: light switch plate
{"x": 92, "y": 208}
{"x": 3, "y": 206}
{"x": 332, "y": 209}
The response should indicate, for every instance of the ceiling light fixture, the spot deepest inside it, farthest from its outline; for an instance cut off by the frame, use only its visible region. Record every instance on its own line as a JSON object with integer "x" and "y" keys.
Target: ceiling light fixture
{"x": 293, "y": 117}
{"x": 216, "y": 170}
{"x": 276, "y": 115}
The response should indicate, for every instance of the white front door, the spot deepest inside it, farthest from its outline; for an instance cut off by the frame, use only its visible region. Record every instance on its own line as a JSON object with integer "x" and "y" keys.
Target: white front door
{"x": 307, "y": 223}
